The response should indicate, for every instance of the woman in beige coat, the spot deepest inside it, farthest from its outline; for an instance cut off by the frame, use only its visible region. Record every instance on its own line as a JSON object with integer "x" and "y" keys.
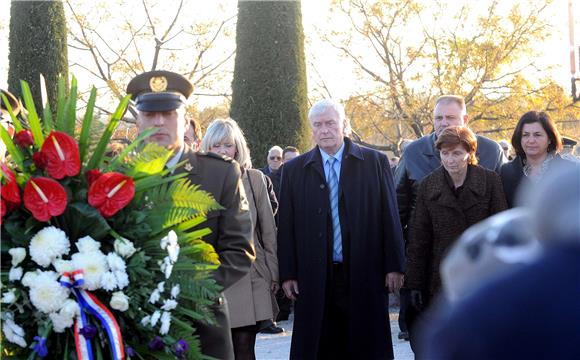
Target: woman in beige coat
{"x": 250, "y": 300}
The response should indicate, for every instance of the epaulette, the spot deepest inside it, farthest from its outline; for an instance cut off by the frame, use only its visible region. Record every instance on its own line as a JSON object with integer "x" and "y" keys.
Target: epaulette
{"x": 215, "y": 156}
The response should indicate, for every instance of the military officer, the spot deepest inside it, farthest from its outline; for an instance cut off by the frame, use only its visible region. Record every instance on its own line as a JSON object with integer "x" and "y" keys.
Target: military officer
{"x": 159, "y": 97}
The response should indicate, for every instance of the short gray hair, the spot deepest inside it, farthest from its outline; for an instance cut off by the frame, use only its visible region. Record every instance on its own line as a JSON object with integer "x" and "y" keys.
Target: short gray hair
{"x": 452, "y": 99}
{"x": 275, "y": 147}
{"x": 322, "y": 106}
{"x": 228, "y": 130}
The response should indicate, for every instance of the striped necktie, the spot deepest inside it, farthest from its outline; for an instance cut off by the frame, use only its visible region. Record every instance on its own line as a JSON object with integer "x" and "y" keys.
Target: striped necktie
{"x": 333, "y": 196}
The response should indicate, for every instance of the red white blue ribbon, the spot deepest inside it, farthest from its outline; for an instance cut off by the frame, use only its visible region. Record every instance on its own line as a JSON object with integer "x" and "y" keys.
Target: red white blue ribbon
{"x": 90, "y": 302}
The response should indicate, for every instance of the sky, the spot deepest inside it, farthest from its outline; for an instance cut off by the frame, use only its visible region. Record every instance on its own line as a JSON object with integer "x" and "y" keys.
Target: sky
{"x": 325, "y": 62}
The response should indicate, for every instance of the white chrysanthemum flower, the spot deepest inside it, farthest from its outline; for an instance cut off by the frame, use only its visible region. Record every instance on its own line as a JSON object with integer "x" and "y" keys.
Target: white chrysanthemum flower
{"x": 116, "y": 263}
{"x": 70, "y": 308}
{"x": 161, "y": 287}
{"x": 155, "y": 317}
{"x": 173, "y": 251}
{"x": 46, "y": 293}
{"x": 155, "y": 295}
{"x": 15, "y": 274}
{"x": 88, "y": 244}
{"x": 60, "y": 322}
{"x": 167, "y": 267}
{"x": 9, "y": 297}
{"x": 146, "y": 320}
{"x": 62, "y": 266}
{"x": 94, "y": 265}
{"x": 13, "y": 333}
{"x": 108, "y": 281}
{"x": 47, "y": 245}
{"x": 165, "y": 323}
{"x": 124, "y": 247}
{"x": 169, "y": 240}
{"x": 169, "y": 305}
{"x": 18, "y": 254}
{"x": 175, "y": 290}
{"x": 29, "y": 278}
{"x": 119, "y": 301}
{"x": 122, "y": 279}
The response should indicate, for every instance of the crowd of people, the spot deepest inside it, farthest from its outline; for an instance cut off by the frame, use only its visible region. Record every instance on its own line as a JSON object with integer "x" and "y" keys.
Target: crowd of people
{"x": 330, "y": 233}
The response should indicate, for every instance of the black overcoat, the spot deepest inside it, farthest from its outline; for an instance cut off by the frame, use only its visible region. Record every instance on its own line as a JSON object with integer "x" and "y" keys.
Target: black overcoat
{"x": 372, "y": 246}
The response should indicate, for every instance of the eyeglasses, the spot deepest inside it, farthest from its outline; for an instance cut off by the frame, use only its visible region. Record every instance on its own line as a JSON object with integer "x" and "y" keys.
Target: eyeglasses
{"x": 275, "y": 158}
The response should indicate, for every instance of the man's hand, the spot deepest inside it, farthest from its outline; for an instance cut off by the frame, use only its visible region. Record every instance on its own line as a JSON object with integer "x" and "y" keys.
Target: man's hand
{"x": 290, "y": 288}
{"x": 274, "y": 287}
{"x": 394, "y": 282}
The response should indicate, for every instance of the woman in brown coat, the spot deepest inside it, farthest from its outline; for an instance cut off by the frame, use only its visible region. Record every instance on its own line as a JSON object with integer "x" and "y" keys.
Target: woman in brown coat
{"x": 250, "y": 300}
{"x": 452, "y": 198}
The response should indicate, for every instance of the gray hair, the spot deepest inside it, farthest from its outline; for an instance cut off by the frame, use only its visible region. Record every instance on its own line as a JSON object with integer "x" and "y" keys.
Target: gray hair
{"x": 322, "y": 106}
{"x": 221, "y": 130}
{"x": 275, "y": 147}
{"x": 452, "y": 99}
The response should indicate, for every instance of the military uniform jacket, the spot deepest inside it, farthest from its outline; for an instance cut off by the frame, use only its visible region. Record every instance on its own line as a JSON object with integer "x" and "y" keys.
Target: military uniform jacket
{"x": 231, "y": 228}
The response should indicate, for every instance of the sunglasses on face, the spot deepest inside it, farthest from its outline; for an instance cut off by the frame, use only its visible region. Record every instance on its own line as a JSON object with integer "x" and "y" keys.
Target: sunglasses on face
{"x": 275, "y": 158}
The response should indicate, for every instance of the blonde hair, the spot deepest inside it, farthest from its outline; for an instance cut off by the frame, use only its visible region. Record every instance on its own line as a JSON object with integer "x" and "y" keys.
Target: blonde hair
{"x": 221, "y": 130}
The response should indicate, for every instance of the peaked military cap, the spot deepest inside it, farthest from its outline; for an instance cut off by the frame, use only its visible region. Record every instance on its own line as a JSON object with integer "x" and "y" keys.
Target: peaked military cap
{"x": 14, "y": 103}
{"x": 159, "y": 90}
{"x": 566, "y": 141}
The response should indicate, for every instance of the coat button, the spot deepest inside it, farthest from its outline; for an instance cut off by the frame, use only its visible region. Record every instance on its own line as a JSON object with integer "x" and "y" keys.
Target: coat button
{"x": 320, "y": 210}
{"x": 322, "y": 186}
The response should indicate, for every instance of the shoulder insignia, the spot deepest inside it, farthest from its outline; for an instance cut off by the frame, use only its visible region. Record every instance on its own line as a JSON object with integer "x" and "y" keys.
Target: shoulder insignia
{"x": 188, "y": 167}
{"x": 215, "y": 156}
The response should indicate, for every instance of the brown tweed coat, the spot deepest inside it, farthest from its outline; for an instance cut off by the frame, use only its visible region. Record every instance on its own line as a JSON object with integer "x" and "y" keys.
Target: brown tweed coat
{"x": 440, "y": 218}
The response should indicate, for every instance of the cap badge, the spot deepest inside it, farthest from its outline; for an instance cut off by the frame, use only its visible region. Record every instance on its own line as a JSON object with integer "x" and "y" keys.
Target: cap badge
{"x": 158, "y": 83}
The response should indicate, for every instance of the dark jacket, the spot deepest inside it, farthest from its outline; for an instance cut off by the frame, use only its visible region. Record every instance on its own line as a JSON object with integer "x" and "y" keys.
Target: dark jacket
{"x": 440, "y": 218}
{"x": 372, "y": 246}
{"x": 512, "y": 176}
{"x": 231, "y": 234}
{"x": 421, "y": 158}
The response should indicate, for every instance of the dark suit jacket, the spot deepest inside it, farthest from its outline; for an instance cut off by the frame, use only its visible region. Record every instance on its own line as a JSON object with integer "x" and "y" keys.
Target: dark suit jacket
{"x": 512, "y": 176}
{"x": 372, "y": 246}
{"x": 231, "y": 237}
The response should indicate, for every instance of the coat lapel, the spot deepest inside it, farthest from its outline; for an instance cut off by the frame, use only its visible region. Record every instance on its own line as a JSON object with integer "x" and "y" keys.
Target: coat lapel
{"x": 474, "y": 188}
{"x": 314, "y": 160}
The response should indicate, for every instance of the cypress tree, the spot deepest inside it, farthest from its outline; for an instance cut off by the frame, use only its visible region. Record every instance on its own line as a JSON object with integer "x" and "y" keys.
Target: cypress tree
{"x": 269, "y": 86}
{"x": 38, "y": 45}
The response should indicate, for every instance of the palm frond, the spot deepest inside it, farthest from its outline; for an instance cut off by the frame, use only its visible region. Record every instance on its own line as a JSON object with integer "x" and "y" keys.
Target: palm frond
{"x": 177, "y": 202}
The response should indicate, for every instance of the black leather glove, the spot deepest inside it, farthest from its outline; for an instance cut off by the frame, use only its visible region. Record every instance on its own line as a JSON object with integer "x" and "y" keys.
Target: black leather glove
{"x": 417, "y": 299}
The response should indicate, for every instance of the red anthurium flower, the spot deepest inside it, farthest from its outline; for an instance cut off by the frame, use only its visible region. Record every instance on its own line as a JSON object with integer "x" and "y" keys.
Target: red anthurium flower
{"x": 24, "y": 138}
{"x": 111, "y": 192}
{"x": 2, "y": 210}
{"x": 44, "y": 198}
{"x": 62, "y": 155}
{"x": 92, "y": 176}
{"x": 39, "y": 159}
{"x": 9, "y": 191}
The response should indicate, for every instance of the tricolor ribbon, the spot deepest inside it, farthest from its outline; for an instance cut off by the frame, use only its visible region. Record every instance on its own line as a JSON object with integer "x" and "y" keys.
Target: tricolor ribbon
{"x": 90, "y": 302}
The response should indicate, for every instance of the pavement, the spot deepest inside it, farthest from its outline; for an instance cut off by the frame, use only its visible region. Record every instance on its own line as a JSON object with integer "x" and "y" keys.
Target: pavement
{"x": 277, "y": 347}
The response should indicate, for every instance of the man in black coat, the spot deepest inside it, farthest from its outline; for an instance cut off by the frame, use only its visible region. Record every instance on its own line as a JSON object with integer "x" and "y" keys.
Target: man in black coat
{"x": 419, "y": 159}
{"x": 339, "y": 244}
{"x": 159, "y": 97}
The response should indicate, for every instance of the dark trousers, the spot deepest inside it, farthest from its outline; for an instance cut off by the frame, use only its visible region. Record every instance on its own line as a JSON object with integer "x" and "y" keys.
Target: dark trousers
{"x": 284, "y": 304}
{"x": 411, "y": 319}
{"x": 334, "y": 337}
{"x": 216, "y": 341}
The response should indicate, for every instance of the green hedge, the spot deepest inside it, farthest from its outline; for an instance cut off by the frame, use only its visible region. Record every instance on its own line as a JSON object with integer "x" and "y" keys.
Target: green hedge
{"x": 269, "y": 87}
{"x": 38, "y": 45}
